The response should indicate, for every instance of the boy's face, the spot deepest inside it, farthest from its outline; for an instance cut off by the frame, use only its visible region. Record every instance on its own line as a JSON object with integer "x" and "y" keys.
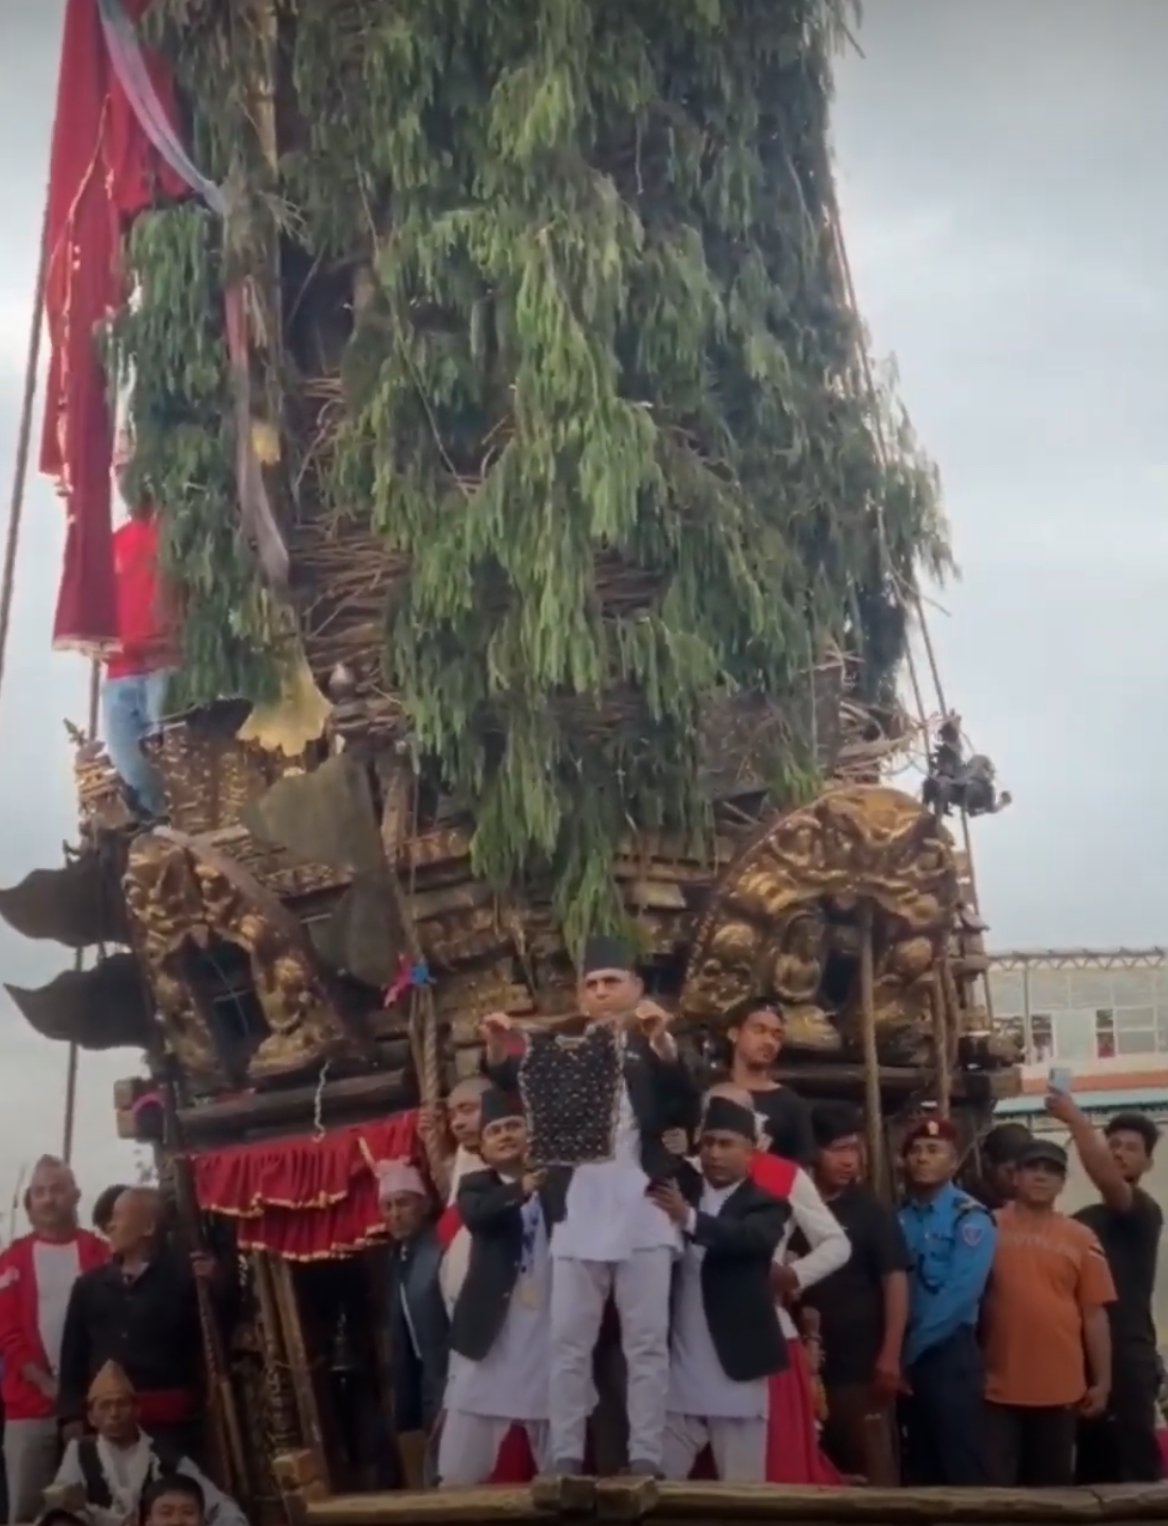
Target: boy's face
{"x": 840, "y": 1162}
{"x": 725, "y": 1156}
{"x": 177, "y": 1509}
{"x": 503, "y": 1145}
{"x": 1038, "y": 1183}
{"x": 1129, "y": 1152}
{"x": 464, "y": 1112}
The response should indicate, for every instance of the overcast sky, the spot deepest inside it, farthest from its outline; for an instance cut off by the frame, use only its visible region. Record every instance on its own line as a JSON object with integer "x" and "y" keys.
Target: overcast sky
{"x": 1006, "y": 212}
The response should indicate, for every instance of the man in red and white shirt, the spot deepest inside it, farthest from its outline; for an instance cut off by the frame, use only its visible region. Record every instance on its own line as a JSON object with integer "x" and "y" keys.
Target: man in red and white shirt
{"x": 37, "y": 1273}
{"x": 139, "y": 671}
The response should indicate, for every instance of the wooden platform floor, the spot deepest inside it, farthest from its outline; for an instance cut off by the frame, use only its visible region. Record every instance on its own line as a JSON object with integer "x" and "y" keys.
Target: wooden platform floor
{"x": 631, "y": 1499}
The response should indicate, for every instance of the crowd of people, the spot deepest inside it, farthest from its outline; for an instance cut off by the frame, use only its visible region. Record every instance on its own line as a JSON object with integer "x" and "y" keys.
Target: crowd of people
{"x": 101, "y": 1364}
{"x": 776, "y": 1318}
{"x": 719, "y": 1294}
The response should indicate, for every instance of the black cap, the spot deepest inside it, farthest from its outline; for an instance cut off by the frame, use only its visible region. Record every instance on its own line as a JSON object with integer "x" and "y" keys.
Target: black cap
{"x": 834, "y": 1120}
{"x": 729, "y": 1117}
{"x": 1005, "y": 1142}
{"x": 607, "y": 954}
{"x": 497, "y": 1105}
{"x": 1042, "y": 1152}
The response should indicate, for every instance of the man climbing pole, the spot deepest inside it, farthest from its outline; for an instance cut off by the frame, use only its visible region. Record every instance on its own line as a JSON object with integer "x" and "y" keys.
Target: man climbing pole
{"x": 139, "y": 671}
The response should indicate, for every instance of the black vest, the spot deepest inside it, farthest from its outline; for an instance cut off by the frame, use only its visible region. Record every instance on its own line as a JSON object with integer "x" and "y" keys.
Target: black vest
{"x": 97, "y": 1490}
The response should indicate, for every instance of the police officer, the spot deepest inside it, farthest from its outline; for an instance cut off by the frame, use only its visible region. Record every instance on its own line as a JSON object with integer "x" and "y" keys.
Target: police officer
{"x": 951, "y": 1240}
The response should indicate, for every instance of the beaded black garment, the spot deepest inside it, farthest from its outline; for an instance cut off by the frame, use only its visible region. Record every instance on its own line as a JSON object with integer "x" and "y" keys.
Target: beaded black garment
{"x": 571, "y": 1096}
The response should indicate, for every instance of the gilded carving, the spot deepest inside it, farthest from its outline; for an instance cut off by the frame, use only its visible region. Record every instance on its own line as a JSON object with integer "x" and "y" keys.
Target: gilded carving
{"x": 180, "y": 892}
{"x": 785, "y": 923}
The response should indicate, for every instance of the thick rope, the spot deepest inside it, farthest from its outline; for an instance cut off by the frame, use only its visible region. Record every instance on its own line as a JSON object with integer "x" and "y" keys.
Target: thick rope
{"x": 23, "y": 444}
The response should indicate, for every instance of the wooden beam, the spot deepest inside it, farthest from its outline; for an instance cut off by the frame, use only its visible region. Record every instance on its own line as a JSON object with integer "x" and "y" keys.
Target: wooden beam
{"x": 830, "y": 1079}
{"x": 269, "y": 1112}
{"x": 729, "y": 1504}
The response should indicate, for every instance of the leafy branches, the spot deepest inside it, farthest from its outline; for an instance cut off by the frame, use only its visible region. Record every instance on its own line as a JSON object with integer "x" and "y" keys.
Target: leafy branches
{"x": 605, "y": 397}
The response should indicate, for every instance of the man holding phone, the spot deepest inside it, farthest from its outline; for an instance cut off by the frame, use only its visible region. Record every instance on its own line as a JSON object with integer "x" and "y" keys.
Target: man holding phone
{"x": 1045, "y": 1329}
{"x": 1120, "y": 1446}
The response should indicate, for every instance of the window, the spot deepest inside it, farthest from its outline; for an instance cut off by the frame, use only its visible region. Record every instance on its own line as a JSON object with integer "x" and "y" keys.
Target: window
{"x": 1012, "y": 1027}
{"x": 1135, "y": 1030}
{"x": 1041, "y": 1048}
{"x": 1136, "y": 1041}
{"x": 1105, "y": 1033}
{"x": 1075, "y": 1040}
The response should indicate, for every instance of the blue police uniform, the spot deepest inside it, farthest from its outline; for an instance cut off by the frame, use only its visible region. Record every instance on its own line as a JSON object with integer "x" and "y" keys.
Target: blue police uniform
{"x": 951, "y": 1240}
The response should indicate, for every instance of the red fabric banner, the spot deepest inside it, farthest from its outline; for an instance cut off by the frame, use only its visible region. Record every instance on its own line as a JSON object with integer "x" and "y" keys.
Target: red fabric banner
{"x": 103, "y": 171}
{"x": 307, "y": 1198}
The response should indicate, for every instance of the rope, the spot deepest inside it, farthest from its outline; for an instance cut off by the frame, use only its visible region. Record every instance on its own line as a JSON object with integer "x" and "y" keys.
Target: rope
{"x": 23, "y": 441}
{"x": 914, "y": 599}
{"x": 8, "y": 576}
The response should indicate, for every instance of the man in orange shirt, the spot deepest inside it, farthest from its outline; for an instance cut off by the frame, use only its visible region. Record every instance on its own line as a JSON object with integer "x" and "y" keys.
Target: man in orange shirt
{"x": 1046, "y": 1305}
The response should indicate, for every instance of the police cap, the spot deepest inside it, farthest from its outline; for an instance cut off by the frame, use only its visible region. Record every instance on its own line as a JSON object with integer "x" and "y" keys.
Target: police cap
{"x": 928, "y": 1128}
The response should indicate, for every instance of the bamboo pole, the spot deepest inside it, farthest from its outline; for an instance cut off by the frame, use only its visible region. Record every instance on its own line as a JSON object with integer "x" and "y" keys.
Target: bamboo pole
{"x": 944, "y": 1021}
{"x": 227, "y": 1439}
{"x": 74, "y": 1052}
{"x": 873, "y": 1110}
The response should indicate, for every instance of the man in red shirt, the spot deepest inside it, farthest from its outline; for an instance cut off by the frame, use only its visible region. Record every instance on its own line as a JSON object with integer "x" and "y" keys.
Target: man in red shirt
{"x": 37, "y": 1273}
{"x": 138, "y": 673}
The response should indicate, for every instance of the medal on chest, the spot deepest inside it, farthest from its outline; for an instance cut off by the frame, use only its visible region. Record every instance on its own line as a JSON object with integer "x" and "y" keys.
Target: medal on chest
{"x": 527, "y": 1292}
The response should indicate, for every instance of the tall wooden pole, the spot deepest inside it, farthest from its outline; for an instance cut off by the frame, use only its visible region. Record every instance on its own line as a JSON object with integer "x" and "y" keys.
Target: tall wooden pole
{"x": 873, "y": 1108}
{"x": 74, "y": 1054}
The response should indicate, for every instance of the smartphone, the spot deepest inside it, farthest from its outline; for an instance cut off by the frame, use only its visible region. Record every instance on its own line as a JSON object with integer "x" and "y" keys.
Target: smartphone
{"x": 1059, "y": 1079}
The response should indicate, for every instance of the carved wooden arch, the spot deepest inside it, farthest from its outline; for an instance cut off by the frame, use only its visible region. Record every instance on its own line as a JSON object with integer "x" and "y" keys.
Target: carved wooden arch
{"x": 180, "y": 891}
{"x": 791, "y": 899}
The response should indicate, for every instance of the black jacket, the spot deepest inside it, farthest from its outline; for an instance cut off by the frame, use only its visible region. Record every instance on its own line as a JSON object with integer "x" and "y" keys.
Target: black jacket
{"x": 418, "y": 1378}
{"x": 740, "y": 1241}
{"x": 663, "y": 1095}
{"x": 150, "y": 1327}
{"x": 491, "y": 1210}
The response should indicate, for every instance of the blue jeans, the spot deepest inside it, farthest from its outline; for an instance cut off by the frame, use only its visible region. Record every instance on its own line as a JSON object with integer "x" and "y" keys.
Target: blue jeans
{"x": 132, "y": 711}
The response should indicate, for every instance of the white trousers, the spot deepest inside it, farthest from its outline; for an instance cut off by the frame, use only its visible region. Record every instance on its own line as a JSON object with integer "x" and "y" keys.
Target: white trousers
{"x": 469, "y": 1447}
{"x": 640, "y": 1289}
{"x": 739, "y": 1448}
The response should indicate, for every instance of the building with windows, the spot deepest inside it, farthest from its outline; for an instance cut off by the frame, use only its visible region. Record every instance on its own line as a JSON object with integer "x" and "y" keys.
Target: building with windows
{"x": 1075, "y": 1007}
{"x": 1102, "y": 1015}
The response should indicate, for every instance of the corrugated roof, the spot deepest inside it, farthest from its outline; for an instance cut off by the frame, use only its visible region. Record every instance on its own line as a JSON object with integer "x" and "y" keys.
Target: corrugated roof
{"x": 1112, "y": 1101}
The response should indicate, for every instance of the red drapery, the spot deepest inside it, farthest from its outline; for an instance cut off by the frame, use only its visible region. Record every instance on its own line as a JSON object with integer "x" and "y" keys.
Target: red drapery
{"x": 306, "y": 1198}
{"x": 103, "y": 172}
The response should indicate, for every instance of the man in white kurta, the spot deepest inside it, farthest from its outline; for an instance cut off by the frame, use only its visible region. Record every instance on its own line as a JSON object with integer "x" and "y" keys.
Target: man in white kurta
{"x": 509, "y": 1385}
{"x": 613, "y": 1239}
{"x": 740, "y": 1224}
{"x": 463, "y": 1114}
{"x": 101, "y": 1477}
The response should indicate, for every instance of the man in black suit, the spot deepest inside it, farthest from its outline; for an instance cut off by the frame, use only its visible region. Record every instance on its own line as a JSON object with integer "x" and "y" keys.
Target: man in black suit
{"x": 418, "y": 1325}
{"x": 610, "y": 1238}
{"x": 727, "y": 1340}
{"x": 499, "y": 1331}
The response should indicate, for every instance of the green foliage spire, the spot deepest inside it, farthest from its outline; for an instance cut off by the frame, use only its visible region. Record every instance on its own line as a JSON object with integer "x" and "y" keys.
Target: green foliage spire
{"x": 604, "y": 394}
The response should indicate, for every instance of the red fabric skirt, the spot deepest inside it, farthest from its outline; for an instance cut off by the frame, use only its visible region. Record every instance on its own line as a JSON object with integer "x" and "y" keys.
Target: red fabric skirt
{"x": 514, "y": 1464}
{"x": 794, "y": 1455}
{"x": 793, "y": 1452}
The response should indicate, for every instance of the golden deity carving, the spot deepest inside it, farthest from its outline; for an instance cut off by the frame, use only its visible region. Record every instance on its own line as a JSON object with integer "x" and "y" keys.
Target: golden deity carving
{"x": 182, "y": 895}
{"x": 785, "y": 923}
